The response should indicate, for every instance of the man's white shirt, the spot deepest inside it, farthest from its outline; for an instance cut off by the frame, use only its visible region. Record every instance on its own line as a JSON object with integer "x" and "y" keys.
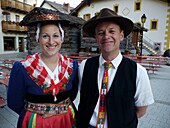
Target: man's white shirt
{"x": 143, "y": 95}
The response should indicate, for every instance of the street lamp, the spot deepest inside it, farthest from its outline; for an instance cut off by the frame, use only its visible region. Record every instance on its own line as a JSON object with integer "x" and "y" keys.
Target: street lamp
{"x": 143, "y": 20}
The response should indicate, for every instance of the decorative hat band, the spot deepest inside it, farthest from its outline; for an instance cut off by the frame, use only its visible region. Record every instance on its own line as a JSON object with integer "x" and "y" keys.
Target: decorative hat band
{"x": 45, "y": 17}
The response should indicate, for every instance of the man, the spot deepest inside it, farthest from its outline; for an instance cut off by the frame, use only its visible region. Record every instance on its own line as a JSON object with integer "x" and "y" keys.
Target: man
{"x": 128, "y": 86}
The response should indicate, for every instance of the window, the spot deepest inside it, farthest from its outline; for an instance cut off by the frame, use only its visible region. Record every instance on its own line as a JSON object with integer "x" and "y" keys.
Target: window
{"x": 96, "y": 13}
{"x": 115, "y": 8}
{"x": 9, "y": 43}
{"x": 7, "y": 17}
{"x": 139, "y": 24}
{"x": 86, "y": 17}
{"x": 137, "y": 6}
{"x": 154, "y": 25}
{"x": 25, "y": 1}
{"x": 17, "y": 18}
{"x": 157, "y": 46}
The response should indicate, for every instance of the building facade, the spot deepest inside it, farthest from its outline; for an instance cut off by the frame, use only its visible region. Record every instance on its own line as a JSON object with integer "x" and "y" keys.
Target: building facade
{"x": 13, "y": 36}
{"x": 156, "y": 11}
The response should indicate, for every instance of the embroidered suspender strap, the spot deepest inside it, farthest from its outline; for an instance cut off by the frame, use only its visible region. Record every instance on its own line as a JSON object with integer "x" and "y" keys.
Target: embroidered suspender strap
{"x": 50, "y": 109}
{"x": 103, "y": 93}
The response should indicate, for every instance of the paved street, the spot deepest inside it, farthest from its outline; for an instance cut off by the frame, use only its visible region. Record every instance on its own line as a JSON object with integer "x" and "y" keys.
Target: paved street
{"x": 158, "y": 114}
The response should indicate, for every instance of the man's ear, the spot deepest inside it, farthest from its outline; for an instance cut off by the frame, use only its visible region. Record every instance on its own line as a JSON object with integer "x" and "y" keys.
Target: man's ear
{"x": 122, "y": 35}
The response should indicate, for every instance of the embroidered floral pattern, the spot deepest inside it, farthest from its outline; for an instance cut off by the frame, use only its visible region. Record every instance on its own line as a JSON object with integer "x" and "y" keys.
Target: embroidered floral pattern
{"x": 38, "y": 73}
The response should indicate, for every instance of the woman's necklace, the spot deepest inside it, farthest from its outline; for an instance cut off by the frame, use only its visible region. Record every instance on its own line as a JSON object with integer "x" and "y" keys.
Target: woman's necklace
{"x": 55, "y": 77}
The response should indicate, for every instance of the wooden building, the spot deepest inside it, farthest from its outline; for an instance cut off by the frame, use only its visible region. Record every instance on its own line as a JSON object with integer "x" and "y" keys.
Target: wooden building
{"x": 71, "y": 42}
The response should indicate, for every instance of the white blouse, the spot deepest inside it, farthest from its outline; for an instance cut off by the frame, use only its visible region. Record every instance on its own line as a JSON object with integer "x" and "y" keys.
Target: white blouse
{"x": 52, "y": 74}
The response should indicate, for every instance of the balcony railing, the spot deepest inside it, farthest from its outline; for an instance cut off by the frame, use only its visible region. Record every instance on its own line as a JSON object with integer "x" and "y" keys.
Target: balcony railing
{"x": 16, "y": 6}
{"x": 8, "y": 26}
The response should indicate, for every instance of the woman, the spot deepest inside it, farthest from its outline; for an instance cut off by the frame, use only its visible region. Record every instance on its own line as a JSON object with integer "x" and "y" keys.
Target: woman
{"x": 43, "y": 86}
